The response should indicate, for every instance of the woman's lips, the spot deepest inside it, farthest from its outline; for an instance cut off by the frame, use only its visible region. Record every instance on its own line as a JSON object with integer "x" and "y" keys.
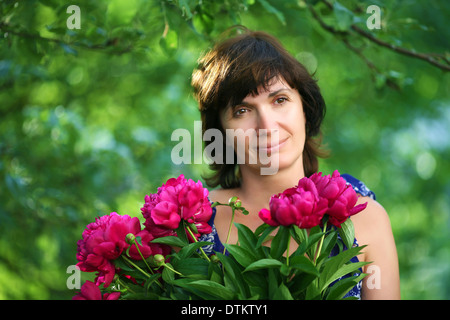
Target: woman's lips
{"x": 270, "y": 148}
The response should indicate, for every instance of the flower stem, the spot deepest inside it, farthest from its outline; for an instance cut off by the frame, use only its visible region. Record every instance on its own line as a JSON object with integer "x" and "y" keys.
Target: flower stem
{"x": 195, "y": 240}
{"x": 136, "y": 244}
{"x": 124, "y": 285}
{"x": 229, "y": 228}
{"x": 171, "y": 269}
{"x": 287, "y": 251}
{"x": 138, "y": 268}
{"x": 321, "y": 242}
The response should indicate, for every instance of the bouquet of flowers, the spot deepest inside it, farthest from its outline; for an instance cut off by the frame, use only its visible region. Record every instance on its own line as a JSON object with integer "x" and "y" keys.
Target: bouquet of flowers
{"x": 164, "y": 259}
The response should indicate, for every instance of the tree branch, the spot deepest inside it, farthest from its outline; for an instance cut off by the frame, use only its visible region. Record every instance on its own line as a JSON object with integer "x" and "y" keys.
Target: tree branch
{"x": 422, "y": 56}
{"x": 108, "y": 43}
{"x": 430, "y": 58}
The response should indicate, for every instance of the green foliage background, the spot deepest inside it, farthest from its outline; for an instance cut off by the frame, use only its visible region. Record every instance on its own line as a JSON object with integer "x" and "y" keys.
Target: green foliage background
{"x": 86, "y": 118}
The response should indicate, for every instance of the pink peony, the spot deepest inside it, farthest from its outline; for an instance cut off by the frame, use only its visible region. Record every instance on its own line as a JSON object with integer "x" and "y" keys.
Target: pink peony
{"x": 90, "y": 291}
{"x": 307, "y": 203}
{"x": 340, "y": 196}
{"x": 299, "y": 206}
{"x": 105, "y": 240}
{"x": 178, "y": 199}
{"x": 165, "y": 214}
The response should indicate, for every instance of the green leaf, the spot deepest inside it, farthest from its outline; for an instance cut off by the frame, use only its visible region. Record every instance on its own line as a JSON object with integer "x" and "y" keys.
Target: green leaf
{"x": 261, "y": 229}
{"x": 183, "y": 286}
{"x": 151, "y": 280}
{"x": 171, "y": 241}
{"x": 264, "y": 235}
{"x": 167, "y": 274}
{"x": 193, "y": 227}
{"x": 302, "y": 263}
{"x": 169, "y": 42}
{"x": 233, "y": 273}
{"x": 192, "y": 267}
{"x": 285, "y": 270}
{"x": 344, "y": 17}
{"x": 213, "y": 288}
{"x": 203, "y": 22}
{"x": 185, "y": 9}
{"x": 263, "y": 264}
{"x": 215, "y": 273}
{"x": 340, "y": 288}
{"x": 121, "y": 264}
{"x": 312, "y": 240}
{"x": 344, "y": 270}
{"x": 139, "y": 240}
{"x": 190, "y": 249}
{"x": 334, "y": 268}
{"x": 299, "y": 234}
{"x": 242, "y": 255}
{"x": 273, "y": 280}
{"x": 247, "y": 238}
{"x": 299, "y": 283}
{"x": 271, "y": 9}
{"x": 312, "y": 292}
{"x": 282, "y": 293}
{"x": 279, "y": 242}
{"x": 181, "y": 232}
{"x": 347, "y": 233}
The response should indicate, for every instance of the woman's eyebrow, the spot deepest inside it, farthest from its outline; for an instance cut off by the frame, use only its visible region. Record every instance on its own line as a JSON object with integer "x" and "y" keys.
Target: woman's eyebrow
{"x": 272, "y": 94}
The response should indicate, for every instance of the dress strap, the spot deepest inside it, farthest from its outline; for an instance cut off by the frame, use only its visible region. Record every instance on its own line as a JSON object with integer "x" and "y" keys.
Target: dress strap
{"x": 359, "y": 186}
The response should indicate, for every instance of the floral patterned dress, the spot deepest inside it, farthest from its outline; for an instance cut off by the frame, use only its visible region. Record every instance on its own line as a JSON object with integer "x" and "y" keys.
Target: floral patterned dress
{"x": 359, "y": 188}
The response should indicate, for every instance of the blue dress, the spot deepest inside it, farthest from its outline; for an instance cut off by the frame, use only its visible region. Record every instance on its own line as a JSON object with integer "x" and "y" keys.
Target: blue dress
{"x": 357, "y": 185}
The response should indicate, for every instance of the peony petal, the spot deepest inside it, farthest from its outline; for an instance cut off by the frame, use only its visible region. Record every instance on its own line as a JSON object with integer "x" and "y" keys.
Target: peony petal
{"x": 165, "y": 214}
{"x": 357, "y": 209}
{"x": 111, "y": 296}
{"x": 266, "y": 216}
{"x": 90, "y": 291}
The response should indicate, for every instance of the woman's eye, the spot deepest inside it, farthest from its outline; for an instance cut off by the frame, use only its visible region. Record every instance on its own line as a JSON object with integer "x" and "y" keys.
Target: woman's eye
{"x": 239, "y": 111}
{"x": 280, "y": 100}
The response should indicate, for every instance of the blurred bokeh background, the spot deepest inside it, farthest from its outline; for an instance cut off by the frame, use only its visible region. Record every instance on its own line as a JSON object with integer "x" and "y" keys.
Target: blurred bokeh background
{"x": 86, "y": 117}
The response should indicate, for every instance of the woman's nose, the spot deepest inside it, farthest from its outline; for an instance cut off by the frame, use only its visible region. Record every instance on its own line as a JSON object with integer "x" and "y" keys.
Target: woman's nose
{"x": 266, "y": 120}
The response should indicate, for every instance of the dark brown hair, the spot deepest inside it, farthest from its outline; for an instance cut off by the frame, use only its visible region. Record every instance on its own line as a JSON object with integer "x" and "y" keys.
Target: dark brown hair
{"x": 239, "y": 66}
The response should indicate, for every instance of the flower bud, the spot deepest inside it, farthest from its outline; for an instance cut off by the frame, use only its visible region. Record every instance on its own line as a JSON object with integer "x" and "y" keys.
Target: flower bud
{"x": 157, "y": 260}
{"x": 235, "y": 202}
{"x": 130, "y": 238}
{"x": 214, "y": 258}
{"x": 232, "y": 200}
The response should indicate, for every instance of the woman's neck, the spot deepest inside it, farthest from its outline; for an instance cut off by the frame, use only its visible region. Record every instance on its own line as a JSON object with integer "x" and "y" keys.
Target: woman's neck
{"x": 258, "y": 189}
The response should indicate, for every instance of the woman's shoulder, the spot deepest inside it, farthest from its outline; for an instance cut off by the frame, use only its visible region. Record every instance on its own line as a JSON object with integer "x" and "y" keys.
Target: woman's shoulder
{"x": 373, "y": 223}
{"x": 374, "y": 211}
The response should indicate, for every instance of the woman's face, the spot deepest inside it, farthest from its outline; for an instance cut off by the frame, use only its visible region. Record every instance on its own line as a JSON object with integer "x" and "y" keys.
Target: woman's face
{"x": 271, "y": 123}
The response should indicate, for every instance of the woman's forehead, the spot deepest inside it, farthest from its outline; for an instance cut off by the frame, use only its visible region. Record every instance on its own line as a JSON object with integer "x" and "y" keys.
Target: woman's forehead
{"x": 275, "y": 84}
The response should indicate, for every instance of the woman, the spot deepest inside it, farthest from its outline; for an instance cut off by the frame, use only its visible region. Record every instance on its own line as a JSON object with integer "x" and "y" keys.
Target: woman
{"x": 251, "y": 83}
